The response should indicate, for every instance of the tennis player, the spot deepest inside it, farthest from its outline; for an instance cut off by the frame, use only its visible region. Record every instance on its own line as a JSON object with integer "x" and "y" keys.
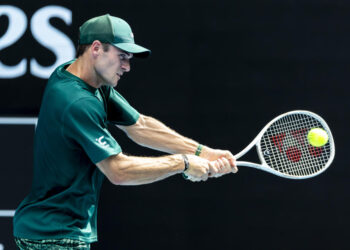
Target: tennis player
{"x": 72, "y": 138}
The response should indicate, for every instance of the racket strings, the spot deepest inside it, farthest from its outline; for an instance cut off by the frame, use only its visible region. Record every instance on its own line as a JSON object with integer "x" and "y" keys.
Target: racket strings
{"x": 306, "y": 165}
{"x": 285, "y": 147}
{"x": 310, "y": 163}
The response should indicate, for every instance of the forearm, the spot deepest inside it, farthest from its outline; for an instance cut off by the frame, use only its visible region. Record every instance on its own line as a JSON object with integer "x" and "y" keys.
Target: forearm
{"x": 151, "y": 133}
{"x": 132, "y": 170}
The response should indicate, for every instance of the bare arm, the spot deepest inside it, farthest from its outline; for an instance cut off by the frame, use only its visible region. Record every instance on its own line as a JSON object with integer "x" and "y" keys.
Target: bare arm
{"x": 131, "y": 170}
{"x": 151, "y": 133}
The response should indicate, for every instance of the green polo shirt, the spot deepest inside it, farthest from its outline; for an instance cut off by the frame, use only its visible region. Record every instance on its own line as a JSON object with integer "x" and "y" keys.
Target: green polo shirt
{"x": 70, "y": 138}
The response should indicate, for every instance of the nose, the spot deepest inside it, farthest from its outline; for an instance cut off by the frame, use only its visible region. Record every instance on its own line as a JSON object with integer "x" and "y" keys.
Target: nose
{"x": 126, "y": 65}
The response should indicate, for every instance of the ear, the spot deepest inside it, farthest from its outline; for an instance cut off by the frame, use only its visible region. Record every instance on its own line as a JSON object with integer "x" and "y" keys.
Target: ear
{"x": 96, "y": 48}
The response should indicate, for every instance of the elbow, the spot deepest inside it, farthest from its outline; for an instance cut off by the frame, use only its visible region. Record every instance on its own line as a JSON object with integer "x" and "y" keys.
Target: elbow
{"x": 122, "y": 170}
{"x": 117, "y": 181}
{"x": 118, "y": 178}
{"x": 121, "y": 174}
{"x": 115, "y": 169}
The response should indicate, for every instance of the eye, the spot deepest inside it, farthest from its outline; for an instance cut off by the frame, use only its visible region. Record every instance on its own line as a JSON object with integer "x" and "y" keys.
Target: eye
{"x": 123, "y": 57}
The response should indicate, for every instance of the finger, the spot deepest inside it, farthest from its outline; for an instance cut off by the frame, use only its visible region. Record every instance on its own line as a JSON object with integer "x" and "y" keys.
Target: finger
{"x": 234, "y": 166}
{"x": 227, "y": 165}
{"x": 216, "y": 164}
{"x": 213, "y": 170}
{"x": 205, "y": 175}
{"x": 226, "y": 162}
{"x": 228, "y": 155}
{"x": 222, "y": 167}
{"x": 218, "y": 167}
{"x": 221, "y": 164}
{"x": 232, "y": 161}
{"x": 234, "y": 170}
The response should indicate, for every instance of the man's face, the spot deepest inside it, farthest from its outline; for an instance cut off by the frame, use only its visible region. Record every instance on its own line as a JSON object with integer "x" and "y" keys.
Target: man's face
{"x": 111, "y": 65}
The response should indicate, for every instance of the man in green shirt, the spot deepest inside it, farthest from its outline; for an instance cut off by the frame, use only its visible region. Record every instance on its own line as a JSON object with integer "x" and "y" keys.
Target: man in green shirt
{"x": 72, "y": 138}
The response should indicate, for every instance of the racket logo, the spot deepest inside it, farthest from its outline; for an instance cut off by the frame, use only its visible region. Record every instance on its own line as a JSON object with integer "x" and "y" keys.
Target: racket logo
{"x": 293, "y": 154}
{"x": 292, "y": 148}
{"x": 267, "y": 152}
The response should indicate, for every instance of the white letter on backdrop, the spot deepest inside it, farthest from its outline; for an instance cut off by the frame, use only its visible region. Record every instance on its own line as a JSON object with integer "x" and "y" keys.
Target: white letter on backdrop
{"x": 51, "y": 38}
{"x": 16, "y": 28}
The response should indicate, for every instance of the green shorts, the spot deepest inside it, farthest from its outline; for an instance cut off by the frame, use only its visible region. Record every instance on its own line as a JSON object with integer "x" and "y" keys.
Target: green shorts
{"x": 51, "y": 244}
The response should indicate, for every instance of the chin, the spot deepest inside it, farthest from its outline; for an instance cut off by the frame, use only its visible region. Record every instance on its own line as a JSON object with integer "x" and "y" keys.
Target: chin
{"x": 112, "y": 84}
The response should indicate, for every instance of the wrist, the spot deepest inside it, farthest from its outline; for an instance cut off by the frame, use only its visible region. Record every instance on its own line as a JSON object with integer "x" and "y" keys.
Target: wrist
{"x": 207, "y": 153}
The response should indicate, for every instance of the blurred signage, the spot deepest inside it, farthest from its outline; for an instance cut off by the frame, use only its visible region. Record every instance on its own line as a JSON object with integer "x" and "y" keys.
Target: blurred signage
{"x": 43, "y": 32}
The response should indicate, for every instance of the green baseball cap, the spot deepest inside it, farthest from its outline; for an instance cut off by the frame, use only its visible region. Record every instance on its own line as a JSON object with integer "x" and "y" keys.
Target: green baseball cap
{"x": 112, "y": 30}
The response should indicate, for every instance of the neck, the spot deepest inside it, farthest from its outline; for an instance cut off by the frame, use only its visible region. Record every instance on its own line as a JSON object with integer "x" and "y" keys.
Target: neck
{"x": 84, "y": 69}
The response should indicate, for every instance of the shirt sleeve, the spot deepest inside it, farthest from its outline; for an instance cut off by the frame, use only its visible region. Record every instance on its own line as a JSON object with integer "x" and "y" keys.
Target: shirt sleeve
{"x": 84, "y": 123}
{"x": 119, "y": 110}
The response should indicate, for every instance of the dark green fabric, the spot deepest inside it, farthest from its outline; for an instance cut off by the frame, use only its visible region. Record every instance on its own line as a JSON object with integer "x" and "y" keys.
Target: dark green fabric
{"x": 112, "y": 30}
{"x": 71, "y": 136}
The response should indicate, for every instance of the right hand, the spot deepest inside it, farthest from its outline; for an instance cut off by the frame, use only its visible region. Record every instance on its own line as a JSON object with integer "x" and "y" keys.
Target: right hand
{"x": 198, "y": 169}
{"x": 221, "y": 167}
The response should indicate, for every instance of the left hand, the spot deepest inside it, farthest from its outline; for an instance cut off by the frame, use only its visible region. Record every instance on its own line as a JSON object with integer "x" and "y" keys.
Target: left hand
{"x": 225, "y": 161}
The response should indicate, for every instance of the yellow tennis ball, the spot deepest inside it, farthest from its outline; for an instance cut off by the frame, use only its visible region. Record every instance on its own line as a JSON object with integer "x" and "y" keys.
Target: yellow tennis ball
{"x": 317, "y": 137}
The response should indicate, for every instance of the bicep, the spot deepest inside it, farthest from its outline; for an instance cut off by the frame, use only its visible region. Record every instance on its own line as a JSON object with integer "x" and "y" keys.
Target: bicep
{"x": 133, "y": 129}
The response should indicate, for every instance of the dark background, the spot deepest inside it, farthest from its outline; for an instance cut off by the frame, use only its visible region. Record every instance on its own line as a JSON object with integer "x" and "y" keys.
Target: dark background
{"x": 219, "y": 71}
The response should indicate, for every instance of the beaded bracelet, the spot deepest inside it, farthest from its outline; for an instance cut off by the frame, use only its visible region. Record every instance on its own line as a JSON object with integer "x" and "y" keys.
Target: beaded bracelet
{"x": 199, "y": 150}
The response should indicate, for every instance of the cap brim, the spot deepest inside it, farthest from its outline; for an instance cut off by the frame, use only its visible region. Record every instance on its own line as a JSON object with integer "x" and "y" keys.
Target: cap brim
{"x": 137, "y": 50}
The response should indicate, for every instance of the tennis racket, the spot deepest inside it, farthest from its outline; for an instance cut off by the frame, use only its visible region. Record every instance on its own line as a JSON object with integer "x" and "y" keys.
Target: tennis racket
{"x": 284, "y": 150}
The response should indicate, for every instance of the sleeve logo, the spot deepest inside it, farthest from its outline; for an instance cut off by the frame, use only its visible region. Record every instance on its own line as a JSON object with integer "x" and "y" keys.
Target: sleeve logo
{"x": 102, "y": 143}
